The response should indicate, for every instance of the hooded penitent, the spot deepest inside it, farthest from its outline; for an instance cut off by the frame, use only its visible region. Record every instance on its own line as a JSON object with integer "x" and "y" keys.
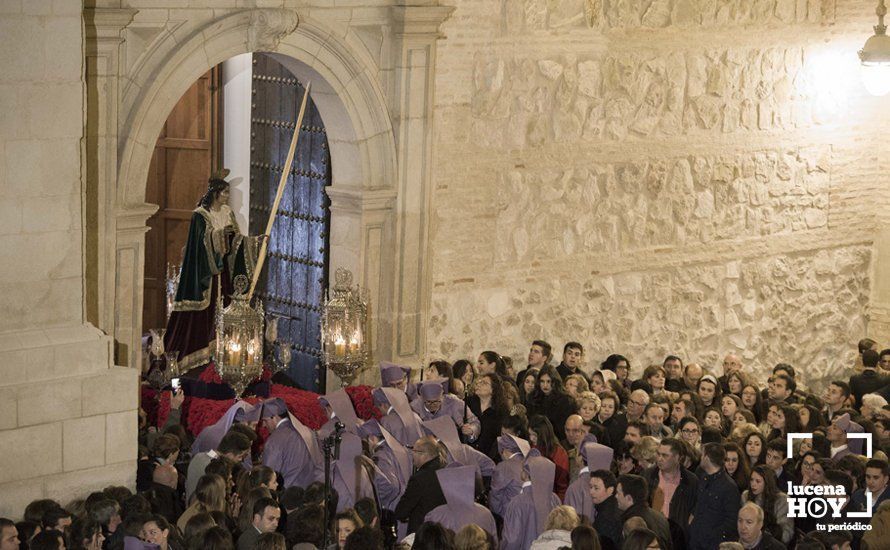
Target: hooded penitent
{"x": 210, "y": 436}
{"x": 405, "y": 427}
{"x": 341, "y": 407}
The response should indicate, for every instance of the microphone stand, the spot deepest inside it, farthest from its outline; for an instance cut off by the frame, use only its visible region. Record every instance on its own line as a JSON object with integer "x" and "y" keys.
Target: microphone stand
{"x": 331, "y": 447}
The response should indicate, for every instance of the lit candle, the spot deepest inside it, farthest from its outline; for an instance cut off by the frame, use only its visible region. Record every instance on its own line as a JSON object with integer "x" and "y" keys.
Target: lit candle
{"x": 340, "y": 346}
{"x": 235, "y": 353}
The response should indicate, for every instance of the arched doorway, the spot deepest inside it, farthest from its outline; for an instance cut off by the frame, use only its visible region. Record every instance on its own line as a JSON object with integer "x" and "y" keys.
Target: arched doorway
{"x": 376, "y": 103}
{"x": 190, "y": 148}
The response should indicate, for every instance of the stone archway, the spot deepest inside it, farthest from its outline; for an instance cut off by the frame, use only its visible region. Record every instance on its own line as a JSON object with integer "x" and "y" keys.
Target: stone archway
{"x": 368, "y": 215}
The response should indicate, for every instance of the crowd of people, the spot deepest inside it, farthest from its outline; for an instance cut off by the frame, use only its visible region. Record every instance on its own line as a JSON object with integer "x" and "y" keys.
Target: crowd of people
{"x": 483, "y": 455}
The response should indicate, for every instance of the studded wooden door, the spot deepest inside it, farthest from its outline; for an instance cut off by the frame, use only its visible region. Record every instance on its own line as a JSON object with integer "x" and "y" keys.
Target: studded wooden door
{"x": 295, "y": 276}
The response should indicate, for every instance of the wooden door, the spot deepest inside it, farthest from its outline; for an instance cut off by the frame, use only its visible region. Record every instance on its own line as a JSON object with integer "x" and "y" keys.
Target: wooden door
{"x": 187, "y": 151}
{"x": 293, "y": 282}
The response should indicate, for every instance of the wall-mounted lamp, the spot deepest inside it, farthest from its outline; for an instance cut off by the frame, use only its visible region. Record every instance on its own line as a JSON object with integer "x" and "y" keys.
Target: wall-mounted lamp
{"x": 875, "y": 56}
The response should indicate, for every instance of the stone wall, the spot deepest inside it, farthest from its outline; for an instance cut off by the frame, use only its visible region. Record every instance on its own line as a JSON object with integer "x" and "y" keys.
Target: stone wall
{"x": 67, "y": 421}
{"x": 653, "y": 177}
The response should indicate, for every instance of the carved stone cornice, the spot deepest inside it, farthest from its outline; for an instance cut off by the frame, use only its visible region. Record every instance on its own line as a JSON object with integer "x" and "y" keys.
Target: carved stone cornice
{"x": 133, "y": 217}
{"x": 421, "y": 20}
{"x": 355, "y": 200}
{"x": 269, "y": 26}
{"x": 103, "y": 24}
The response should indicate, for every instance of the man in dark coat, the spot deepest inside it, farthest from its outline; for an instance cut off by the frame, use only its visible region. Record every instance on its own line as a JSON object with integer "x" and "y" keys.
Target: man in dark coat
{"x": 672, "y": 488}
{"x": 632, "y": 494}
{"x": 751, "y": 533}
{"x": 869, "y": 380}
{"x": 717, "y": 507}
{"x": 608, "y": 515}
{"x": 423, "y": 492}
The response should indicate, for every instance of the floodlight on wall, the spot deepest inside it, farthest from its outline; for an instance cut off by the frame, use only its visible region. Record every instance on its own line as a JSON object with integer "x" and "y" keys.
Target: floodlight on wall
{"x": 875, "y": 57}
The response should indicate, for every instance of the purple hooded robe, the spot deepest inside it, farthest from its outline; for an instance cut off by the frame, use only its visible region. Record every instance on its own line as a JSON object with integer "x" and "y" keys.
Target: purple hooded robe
{"x": 291, "y": 448}
{"x": 391, "y": 373}
{"x": 210, "y": 436}
{"x": 452, "y": 406}
{"x": 394, "y": 462}
{"x": 351, "y": 479}
{"x": 596, "y": 457}
{"x": 446, "y": 432}
{"x": 458, "y": 486}
{"x": 506, "y": 481}
{"x": 527, "y": 513}
{"x": 339, "y": 407}
{"x": 400, "y": 421}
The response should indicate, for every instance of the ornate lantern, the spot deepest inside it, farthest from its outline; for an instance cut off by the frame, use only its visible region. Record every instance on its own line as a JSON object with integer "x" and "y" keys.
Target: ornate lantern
{"x": 239, "y": 339}
{"x": 344, "y": 329}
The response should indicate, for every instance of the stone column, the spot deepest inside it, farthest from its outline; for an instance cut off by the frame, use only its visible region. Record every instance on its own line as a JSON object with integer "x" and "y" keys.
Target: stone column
{"x": 416, "y": 32}
{"x": 104, "y": 39}
{"x": 362, "y": 227}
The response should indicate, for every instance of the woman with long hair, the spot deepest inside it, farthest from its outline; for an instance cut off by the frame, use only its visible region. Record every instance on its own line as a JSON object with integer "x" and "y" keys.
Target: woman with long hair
{"x": 782, "y": 419}
{"x": 443, "y": 369}
{"x": 752, "y": 400}
{"x": 489, "y": 405}
{"x": 85, "y": 534}
{"x": 529, "y": 380}
{"x": 345, "y": 523}
{"x": 542, "y": 438}
{"x": 210, "y": 496}
{"x": 737, "y": 382}
{"x": 754, "y": 446}
{"x": 549, "y": 399}
{"x": 491, "y": 361}
{"x": 764, "y": 492}
{"x": 463, "y": 370}
{"x": 811, "y": 418}
{"x": 736, "y": 464}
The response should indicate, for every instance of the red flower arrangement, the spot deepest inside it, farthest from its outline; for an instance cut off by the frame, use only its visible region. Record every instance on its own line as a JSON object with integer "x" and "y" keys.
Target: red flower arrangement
{"x": 200, "y": 412}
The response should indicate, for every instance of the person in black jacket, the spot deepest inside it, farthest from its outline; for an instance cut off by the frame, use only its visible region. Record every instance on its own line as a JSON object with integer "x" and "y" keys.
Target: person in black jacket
{"x": 608, "y": 515}
{"x": 423, "y": 492}
{"x": 632, "y": 494}
{"x": 676, "y": 499}
{"x": 717, "y": 506}
{"x": 550, "y": 399}
{"x": 869, "y": 380}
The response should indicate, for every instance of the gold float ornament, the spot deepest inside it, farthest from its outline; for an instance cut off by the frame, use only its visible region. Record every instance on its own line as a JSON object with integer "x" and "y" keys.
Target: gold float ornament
{"x": 344, "y": 328}
{"x": 239, "y": 339}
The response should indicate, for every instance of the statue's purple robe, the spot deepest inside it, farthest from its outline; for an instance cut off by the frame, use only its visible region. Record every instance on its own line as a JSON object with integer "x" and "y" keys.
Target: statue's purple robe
{"x": 527, "y": 513}
{"x": 596, "y": 457}
{"x": 292, "y": 450}
{"x": 351, "y": 480}
{"x": 400, "y": 421}
{"x": 458, "y": 486}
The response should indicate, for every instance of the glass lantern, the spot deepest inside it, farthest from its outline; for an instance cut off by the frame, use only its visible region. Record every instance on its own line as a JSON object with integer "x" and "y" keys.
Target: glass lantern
{"x": 239, "y": 339}
{"x": 344, "y": 329}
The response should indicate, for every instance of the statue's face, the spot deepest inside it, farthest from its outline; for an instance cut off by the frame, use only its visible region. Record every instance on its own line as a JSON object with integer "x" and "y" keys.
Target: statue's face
{"x": 222, "y": 197}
